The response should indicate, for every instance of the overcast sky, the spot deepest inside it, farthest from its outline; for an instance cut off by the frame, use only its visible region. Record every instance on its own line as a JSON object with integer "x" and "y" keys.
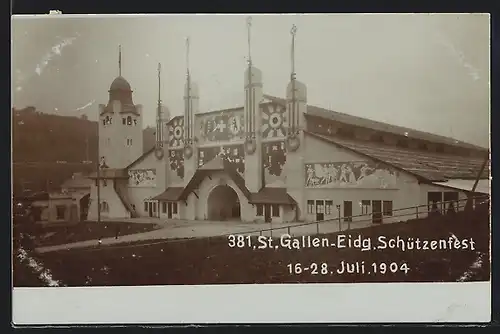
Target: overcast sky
{"x": 429, "y": 72}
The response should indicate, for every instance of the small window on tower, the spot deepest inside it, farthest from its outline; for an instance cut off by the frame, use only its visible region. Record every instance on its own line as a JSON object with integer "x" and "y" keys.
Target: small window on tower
{"x": 129, "y": 120}
{"x": 124, "y": 121}
{"x": 135, "y": 122}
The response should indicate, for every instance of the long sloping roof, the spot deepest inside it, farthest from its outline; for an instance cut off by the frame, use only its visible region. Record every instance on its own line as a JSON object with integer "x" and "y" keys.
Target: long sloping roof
{"x": 379, "y": 126}
{"x": 425, "y": 165}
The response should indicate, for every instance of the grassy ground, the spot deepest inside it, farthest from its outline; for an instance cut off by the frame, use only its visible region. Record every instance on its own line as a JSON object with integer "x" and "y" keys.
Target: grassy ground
{"x": 57, "y": 234}
{"x": 211, "y": 261}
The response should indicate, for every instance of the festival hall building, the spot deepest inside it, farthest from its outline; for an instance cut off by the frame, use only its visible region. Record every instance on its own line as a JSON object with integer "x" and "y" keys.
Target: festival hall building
{"x": 273, "y": 159}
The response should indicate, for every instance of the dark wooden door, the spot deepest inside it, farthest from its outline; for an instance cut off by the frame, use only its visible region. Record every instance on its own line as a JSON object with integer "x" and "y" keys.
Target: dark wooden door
{"x": 377, "y": 212}
{"x": 347, "y": 211}
{"x": 267, "y": 212}
{"x": 150, "y": 209}
{"x": 169, "y": 210}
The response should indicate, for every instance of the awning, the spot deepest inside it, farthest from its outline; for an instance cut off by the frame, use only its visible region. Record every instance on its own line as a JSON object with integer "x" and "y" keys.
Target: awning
{"x": 483, "y": 186}
{"x": 272, "y": 196}
{"x": 171, "y": 194}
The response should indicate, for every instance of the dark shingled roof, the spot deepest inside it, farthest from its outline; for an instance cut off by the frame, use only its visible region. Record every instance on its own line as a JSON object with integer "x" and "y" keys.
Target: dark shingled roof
{"x": 428, "y": 166}
{"x": 171, "y": 194}
{"x": 272, "y": 196}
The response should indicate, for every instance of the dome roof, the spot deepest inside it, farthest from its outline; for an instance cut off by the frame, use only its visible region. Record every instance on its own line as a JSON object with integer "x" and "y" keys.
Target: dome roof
{"x": 120, "y": 83}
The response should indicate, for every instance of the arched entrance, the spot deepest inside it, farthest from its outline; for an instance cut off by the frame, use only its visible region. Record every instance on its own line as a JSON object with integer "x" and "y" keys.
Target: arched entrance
{"x": 223, "y": 204}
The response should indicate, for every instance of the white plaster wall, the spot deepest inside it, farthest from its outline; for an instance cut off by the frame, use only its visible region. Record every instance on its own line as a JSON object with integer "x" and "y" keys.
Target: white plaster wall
{"x": 407, "y": 194}
{"x": 108, "y": 194}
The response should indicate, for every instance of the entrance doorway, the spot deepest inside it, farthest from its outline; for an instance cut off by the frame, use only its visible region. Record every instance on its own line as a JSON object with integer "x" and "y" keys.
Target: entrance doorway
{"x": 377, "y": 212}
{"x": 169, "y": 210}
{"x": 223, "y": 204}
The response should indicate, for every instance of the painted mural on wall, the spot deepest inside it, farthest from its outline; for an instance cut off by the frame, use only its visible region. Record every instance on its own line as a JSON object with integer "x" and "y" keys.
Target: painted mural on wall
{"x": 142, "y": 178}
{"x": 273, "y": 159}
{"x": 274, "y": 121}
{"x": 350, "y": 174}
{"x": 224, "y": 126}
{"x": 176, "y": 133}
{"x": 176, "y": 159}
{"x": 233, "y": 154}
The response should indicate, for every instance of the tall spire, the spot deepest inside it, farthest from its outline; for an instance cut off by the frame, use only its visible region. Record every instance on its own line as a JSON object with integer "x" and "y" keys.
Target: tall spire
{"x": 159, "y": 84}
{"x": 249, "y": 27}
{"x": 292, "y": 118}
{"x": 187, "y": 56}
{"x": 159, "y": 135}
{"x": 293, "y": 33}
{"x": 120, "y": 60}
{"x": 188, "y": 120}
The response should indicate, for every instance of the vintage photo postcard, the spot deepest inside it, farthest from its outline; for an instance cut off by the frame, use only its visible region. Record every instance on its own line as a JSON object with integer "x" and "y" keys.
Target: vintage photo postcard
{"x": 251, "y": 168}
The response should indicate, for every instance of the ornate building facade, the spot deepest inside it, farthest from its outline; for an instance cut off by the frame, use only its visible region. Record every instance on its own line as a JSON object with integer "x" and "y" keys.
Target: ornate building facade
{"x": 271, "y": 159}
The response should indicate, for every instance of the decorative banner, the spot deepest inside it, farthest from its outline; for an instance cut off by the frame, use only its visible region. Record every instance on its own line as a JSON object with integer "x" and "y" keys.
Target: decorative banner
{"x": 225, "y": 126}
{"x": 274, "y": 121}
{"x": 362, "y": 174}
{"x": 142, "y": 178}
{"x": 176, "y": 133}
{"x": 273, "y": 159}
{"x": 176, "y": 158}
{"x": 233, "y": 154}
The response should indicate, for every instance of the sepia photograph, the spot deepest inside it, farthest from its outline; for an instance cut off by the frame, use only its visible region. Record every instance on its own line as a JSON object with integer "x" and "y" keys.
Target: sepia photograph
{"x": 341, "y": 152}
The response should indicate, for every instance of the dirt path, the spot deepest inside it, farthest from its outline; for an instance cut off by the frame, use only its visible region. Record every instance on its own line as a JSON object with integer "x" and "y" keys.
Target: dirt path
{"x": 180, "y": 230}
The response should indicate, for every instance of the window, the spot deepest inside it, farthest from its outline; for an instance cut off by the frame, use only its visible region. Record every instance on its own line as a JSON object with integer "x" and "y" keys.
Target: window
{"x": 146, "y": 206}
{"x": 320, "y": 207}
{"x": 328, "y": 207}
{"x": 104, "y": 206}
{"x": 275, "y": 210}
{"x": 154, "y": 207}
{"x": 260, "y": 210}
{"x": 104, "y": 183}
{"x": 164, "y": 207}
{"x": 133, "y": 207}
{"x": 129, "y": 142}
{"x": 60, "y": 211}
{"x": 174, "y": 208}
{"x": 129, "y": 120}
{"x": 310, "y": 206}
{"x": 124, "y": 121}
{"x": 365, "y": 207}
{"x": 387, "y": 208}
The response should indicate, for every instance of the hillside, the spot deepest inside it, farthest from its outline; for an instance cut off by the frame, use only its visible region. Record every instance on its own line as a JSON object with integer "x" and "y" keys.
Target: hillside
{"x": 40, "y": 141}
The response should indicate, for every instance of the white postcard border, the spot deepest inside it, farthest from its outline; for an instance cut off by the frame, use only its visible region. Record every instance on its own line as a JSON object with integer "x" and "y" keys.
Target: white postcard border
{"x": 256, "y": 303}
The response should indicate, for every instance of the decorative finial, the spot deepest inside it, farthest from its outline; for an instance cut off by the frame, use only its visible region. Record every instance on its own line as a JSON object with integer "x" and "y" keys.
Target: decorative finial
{"x": 120, "y": 60}
{"x": 249, "y": 27}
{"x": 293, "y": 32}
{"x": 187, "y": 56}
